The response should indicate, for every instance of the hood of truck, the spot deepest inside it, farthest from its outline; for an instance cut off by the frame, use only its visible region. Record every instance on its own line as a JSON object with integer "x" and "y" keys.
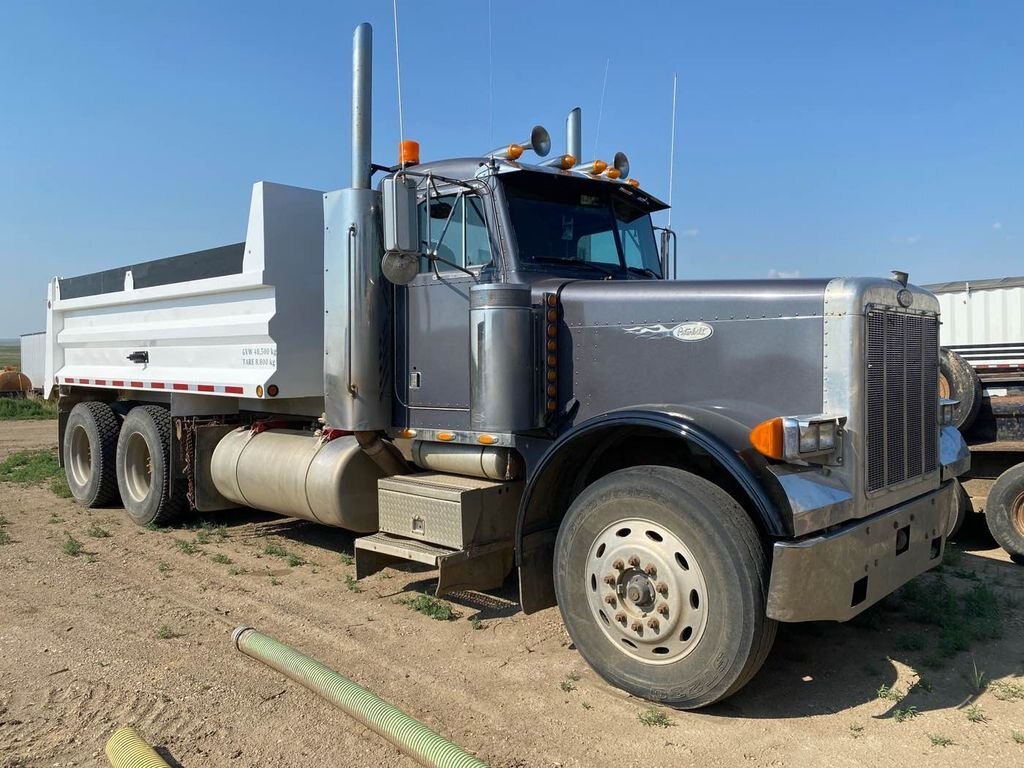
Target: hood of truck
{"x": 744, "y": 350}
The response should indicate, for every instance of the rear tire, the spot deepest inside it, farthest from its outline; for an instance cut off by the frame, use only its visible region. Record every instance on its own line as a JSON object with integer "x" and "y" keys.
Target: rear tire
{"x": 1004, "y": 511}
{"x": 144, "y": 467}
{"x": 958, "y": 381}
{"x": 90, "y": 445}
{"x": 693, "y": 632}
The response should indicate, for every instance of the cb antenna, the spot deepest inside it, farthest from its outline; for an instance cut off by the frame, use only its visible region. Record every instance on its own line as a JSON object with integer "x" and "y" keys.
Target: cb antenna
{"x": 600, "y": 111}
{"x": 672, "y": 149}
{"x": 398, "y": 78}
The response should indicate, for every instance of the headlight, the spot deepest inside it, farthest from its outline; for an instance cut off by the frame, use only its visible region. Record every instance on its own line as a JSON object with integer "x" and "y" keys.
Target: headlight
{"x": 802, "y": 438}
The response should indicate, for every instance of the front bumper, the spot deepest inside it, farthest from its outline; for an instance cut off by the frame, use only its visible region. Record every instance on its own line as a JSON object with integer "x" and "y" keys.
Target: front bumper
{"x": 836, "y": 575}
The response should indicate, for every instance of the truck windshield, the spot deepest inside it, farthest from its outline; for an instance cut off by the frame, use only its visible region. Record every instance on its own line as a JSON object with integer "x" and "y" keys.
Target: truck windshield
{"x": 579, "y": 222}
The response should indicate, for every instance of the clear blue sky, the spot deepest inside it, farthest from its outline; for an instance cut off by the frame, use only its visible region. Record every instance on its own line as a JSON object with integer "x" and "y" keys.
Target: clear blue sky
{"x": 817, "y": 138}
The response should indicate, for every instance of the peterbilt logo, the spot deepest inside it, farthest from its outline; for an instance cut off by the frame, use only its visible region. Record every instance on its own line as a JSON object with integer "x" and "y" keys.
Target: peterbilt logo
{"x": 681, "y": 332}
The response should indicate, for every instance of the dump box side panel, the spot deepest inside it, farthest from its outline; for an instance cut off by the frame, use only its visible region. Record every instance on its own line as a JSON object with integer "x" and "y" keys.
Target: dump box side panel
{"x": 255, "y": 324}
{"x": 985, "y": 325}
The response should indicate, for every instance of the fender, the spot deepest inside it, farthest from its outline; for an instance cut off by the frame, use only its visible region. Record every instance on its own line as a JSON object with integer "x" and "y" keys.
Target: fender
{"x": 713, "y": 431}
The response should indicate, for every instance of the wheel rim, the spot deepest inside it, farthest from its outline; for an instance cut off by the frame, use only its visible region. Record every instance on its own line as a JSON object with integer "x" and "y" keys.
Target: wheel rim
{"x": 138, "y": 467}
{"x": 80, "y": 461}
{"x": 646, "y": 591}
{"x": 944, "y": 388}
{"x": 1017, "y": 513}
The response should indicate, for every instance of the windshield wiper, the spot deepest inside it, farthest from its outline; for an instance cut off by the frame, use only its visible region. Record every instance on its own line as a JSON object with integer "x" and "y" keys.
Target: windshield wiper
{"x": 644, "y": 271}
{"x": 573, "y": 263}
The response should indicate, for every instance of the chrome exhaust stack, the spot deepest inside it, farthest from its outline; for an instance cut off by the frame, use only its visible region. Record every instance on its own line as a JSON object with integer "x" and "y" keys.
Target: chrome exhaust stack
{"x": 362, "y": 104}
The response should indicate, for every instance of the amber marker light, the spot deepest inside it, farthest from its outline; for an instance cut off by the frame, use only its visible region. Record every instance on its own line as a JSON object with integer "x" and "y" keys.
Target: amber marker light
{"x": 407, "y": 433}
{"x": 446, "y": 437}
{"x": 598, "y": 167}
{"x": 409, "y": 152}
{"x": 767, "y": 438}
{"x": 259, "y": 390}
{"x": 515, "y": 151}
{"x": 633, "y": 182}
{"x": 487, "y": 439}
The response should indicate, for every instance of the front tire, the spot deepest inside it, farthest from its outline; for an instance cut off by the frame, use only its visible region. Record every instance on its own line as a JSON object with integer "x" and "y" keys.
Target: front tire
{"x": 144, "y": 467}
{"x": 90, "y": 445}
{"x": 1004, "y": 511}
{"x": 661, "y": 579}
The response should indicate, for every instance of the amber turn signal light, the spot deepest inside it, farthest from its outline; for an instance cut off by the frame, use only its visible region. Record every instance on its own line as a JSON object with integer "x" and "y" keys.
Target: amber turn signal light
{"x": 767, "y": 438}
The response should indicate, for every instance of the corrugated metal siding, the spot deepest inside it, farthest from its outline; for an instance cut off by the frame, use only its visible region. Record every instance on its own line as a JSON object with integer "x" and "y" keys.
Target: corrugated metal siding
{"x": 977, "y": 317}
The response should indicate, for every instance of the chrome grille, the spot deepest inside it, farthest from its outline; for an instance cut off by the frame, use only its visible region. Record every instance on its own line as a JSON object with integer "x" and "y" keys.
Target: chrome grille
{"x": 901, "y": 383}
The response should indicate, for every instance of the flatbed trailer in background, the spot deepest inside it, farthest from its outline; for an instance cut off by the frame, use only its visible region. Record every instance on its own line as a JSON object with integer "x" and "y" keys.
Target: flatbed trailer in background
{"x": 982, "y": 337}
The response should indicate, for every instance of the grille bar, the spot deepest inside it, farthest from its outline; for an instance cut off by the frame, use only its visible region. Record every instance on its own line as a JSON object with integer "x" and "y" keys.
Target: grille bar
{"x": 901, "y": 384}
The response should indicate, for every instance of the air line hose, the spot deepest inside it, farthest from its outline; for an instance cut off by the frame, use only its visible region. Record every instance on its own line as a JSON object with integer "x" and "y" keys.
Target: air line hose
{"x": 126, "y": 749}
{"x": 409, "y": 735}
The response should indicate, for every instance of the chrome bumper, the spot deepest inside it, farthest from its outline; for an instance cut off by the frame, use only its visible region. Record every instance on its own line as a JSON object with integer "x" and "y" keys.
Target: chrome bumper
{"x": 837, "y": 575}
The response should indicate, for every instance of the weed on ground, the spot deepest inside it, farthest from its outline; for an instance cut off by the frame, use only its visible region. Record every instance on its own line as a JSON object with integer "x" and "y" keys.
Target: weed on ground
{"x": 430, "y": 606}
{"x": 72, "y": 546}
{"x": 186, "y": 547}
{"x": 653, "y": 718}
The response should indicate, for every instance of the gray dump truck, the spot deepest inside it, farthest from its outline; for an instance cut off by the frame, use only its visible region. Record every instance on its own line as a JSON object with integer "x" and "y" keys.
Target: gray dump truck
{"x": 478, "y": 365}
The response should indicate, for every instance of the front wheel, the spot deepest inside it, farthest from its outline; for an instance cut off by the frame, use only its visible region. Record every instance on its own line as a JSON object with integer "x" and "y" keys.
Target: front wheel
{"x": 661, "y": 580}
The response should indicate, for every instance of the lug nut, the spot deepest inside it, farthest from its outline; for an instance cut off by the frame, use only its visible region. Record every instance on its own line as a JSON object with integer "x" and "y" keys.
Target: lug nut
{"x": 621, "y": 618}
{"x": 611, "y": 600}
{"x": 618, "y": 565}
{"x": 653, "y": 623}
{"x": 662, "y": 588}
{"x": 663, "y": 609}
{"x": 611, "y": 580}
{"x": 637, "y": 627}
{"x": 634, "y": 561}
{"x": 651, "y": 570}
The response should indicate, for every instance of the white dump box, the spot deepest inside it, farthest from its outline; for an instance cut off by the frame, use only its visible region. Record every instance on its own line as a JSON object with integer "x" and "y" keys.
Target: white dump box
{"x": 243, "y": 320}
{"x": 33, "y": 358}
{"x": 983, "y": 320}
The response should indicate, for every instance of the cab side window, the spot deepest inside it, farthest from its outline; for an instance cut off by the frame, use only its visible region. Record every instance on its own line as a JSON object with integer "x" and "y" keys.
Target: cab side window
{"x": 465, "y": 242}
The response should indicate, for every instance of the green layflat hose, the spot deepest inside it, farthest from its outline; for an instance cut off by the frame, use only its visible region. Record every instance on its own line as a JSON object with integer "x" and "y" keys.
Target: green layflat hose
{"x": 406, "y": 733}
{"x": 126, "y": 749}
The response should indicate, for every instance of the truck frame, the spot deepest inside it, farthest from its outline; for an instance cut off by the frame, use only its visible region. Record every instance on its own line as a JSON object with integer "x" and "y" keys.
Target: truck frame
{"x": 480, "y": 366}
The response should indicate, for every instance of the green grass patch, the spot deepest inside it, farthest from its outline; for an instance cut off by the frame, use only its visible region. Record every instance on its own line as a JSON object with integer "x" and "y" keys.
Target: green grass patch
{"x": 899, "y": 714}
{"x": 164, "y": 567}
{"x": 186, "y": 546}
{"x": 59, "y": 487}
{"x": 346, "y": 559}
{"x": 275, "y": 550}
{"x": 430, "y": 606}
{"x": 1017, "y": 736}
{"x": 5, "y": 537}
{"x": 55, "y": 520}
{"x": 30, "y": 467}
{"x": 166, "y": 633}
{"x": 221, "y": 559}
{"x": 27, "y": 408}
{"x": 909, "y": 642}
{"x": 889, "y": 694}
{"x": 975, "y": 714}
{"x": 962, "y": 618}
{"x": 71, "y": 546}
{"x": 653, "y": 718}
{"x": 98, "y": 533}
{"x": 352, "y": 583}
{"x": 938, "y": 740}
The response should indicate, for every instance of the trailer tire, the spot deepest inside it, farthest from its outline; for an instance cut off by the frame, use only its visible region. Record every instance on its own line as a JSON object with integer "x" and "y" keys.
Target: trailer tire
{"x": 1004, "y": 511}
{"x": 90, "y": 448}
{"x": 959, "y": 381}
{"x": 144, "y": 467}
{"x": 693, "y": 630}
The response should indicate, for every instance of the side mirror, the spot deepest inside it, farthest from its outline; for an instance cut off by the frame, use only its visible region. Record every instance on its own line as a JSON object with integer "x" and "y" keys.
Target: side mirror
{"x": 401, "y": 229}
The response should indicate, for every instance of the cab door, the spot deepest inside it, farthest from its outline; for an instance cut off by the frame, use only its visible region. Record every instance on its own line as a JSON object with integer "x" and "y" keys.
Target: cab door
{"x": 432, "y": 374}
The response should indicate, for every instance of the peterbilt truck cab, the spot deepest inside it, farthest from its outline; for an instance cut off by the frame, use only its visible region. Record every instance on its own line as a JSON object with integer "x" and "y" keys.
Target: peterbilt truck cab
{"x": 500, "y": 379}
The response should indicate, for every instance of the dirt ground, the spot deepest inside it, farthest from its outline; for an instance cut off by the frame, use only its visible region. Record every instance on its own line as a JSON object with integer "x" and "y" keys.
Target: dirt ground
{"x": 81, "y": 654}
